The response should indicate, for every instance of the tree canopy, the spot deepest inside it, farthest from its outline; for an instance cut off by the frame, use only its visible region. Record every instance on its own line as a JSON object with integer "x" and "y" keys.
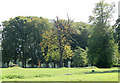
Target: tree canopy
{"x": 33, "y": 41}
{"x": 101, "y": 41}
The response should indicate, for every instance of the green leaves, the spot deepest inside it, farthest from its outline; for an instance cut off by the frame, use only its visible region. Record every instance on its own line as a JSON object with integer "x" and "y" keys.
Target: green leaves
{"x": 101, "y": 42}
{"x": 102, "y": 13}
{"x": 23, "y": 36}
{"x": 79, "y": 57}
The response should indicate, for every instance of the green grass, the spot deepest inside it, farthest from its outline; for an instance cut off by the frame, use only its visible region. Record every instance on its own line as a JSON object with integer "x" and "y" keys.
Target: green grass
{"x": 59, "y": 74}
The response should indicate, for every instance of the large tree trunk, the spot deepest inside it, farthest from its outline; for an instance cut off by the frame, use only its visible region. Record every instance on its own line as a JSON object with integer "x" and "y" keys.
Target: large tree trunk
{"x": 8, "y": 64}
{"x": 61, "y": 62}
{"x": 39, "y": 64}
{"x": 15, "y": 62}
{"x": 119, "y": 47}
{"x": 32, "y": 63}
{"x": 47, "y": 66}
{"x": 54, "y": 64}
{"x": 22, "y": 60}
{"x": 61, "y": 53}
{"x": 58, "y": 64}
{"x": 65, "y": 63}
{"x": 25, "y": 63}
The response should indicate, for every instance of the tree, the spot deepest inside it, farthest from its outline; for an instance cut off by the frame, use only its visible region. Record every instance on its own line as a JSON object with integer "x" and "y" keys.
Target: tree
{"x": 80, "y": 34}
{"x": 21, "y": 38}
{"x": 117, "y": 36}
{"x": 47, "y": 46}
{"x": 9, "y": 43}
{"x": 62, "y": 29}
{"x": 101, "y": 42}
{"x": 80, "y": 57}
{"x": 51, "y": 49}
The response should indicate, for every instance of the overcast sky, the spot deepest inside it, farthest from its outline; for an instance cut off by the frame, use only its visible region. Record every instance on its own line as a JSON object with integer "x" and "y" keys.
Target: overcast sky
{"x": 78, "y": 10}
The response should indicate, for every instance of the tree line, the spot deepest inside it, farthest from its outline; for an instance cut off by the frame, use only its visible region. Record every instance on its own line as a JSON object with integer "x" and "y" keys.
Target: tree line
{"x": 35, "y": 40}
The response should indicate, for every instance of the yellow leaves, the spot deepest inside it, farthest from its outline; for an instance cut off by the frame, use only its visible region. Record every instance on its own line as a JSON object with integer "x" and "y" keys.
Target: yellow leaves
{"x": 64, "y": 39}
{"x": 89, "y": 36}
{"x": 67, "y": 47}
{"x": 59, "y": 29}
{"x": 41, "y": 44}
{"x": 70, "y": 57}
{"x": 43, "y": 40}
{"x": 29, "y": 20}
{"x": 46, "y": 32}
{"x": 51, "y": 31}
{"x": 65, "y": 31}
{"x": 67, "y": 52}
{"x": 66, "y": 27}
{"x": 45, "y": 37}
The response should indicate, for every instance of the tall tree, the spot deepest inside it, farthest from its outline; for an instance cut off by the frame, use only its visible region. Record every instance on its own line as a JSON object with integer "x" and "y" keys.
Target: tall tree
{"x": 117, "y": 35}
{"x": 51, "y": 48}
{"x": 101, "y": 42}
{"x": 21, "y": 38}
{"x": 9, "y": 43}
{"x": 63, "y": 29}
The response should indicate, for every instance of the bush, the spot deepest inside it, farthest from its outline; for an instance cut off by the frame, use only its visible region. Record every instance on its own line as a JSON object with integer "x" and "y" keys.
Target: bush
{"x": 79, "y": 58}
{"x": 13, "y": 77}
{"x": 43, "y": 75}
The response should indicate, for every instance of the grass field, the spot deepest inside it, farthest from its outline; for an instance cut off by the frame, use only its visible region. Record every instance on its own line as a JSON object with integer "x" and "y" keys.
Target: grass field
{"x": 59, "y": 74}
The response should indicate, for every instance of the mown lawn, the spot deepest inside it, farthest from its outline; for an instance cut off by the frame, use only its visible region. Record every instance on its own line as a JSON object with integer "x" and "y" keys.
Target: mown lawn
{"x": 59, "y": 74}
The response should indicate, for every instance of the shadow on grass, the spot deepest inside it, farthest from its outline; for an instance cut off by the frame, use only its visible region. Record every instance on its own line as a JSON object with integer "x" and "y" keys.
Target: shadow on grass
{"x": 112, "y": 71}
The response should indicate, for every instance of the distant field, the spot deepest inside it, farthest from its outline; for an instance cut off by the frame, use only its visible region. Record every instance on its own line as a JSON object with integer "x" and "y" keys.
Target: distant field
{"x": 59, "y": 74}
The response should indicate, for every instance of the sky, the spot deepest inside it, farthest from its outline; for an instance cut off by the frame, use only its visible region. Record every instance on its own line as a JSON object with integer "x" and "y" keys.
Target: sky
{"x": 78, "y": 10}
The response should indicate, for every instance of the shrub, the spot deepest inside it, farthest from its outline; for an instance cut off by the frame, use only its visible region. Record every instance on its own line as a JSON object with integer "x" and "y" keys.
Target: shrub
{"x": 79, "y": 58}
{"x": 13, "y": 77}
{"x": 43, "y": 75}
